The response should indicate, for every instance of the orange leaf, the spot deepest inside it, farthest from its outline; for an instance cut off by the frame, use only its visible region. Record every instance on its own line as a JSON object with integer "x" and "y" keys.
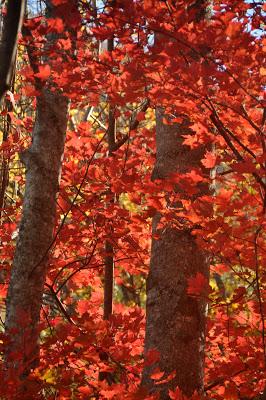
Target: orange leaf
{"x": 85, "y": 390}
{"x": 55, "y": 25}
{"x": 209, "y": 159}
{"x": 169, "y": 378}
{"x": 233, "y": 29}
{"x": 157, "y": 374}
{"x": 44, "y": 72}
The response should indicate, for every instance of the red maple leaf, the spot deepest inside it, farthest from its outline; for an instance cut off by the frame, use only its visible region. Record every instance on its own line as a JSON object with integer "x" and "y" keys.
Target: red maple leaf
{"x": 44, "y": 72}
{"x": 198, "y": 285}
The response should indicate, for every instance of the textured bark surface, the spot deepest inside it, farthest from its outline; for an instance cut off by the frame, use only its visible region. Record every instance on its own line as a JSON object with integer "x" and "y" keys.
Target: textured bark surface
{"x": 175, "y": 321}
{"x": 43, "y": 164}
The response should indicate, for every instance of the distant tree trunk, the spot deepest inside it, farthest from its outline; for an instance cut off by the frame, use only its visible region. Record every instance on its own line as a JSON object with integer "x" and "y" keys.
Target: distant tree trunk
{"x": 43, "y": 166}
{"x": 175, "y": 321}
{"x": 109, "y": 249}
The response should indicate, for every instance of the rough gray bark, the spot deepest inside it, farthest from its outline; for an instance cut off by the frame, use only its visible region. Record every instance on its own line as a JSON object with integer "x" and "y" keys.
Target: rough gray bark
{"x": 175, "y": 321}
{"x": 12, "y": 22}
{"x": 43, "y": 164}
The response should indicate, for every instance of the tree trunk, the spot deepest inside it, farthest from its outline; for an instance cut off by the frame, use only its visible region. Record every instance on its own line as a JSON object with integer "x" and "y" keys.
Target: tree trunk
{"x": 175, "y": 321}
{"x": 43, "y": 164}
{"x": 109, "y": 249}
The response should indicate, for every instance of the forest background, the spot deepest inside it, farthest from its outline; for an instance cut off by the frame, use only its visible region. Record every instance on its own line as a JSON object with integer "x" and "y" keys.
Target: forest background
{"x": 151, "y": 115}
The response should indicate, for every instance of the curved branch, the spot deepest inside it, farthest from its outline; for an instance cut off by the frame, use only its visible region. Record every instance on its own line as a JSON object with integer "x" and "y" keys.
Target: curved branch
{"x": 12, "y": 22}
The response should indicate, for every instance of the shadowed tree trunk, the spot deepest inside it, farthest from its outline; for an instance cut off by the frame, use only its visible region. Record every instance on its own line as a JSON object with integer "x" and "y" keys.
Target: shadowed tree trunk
{"x": 175, "y": 324}
{"x": 109, "y": 249}
{"x": 12, "y": 21}
{"x": 175, "y": 321}
{"x": 43, "y": 165}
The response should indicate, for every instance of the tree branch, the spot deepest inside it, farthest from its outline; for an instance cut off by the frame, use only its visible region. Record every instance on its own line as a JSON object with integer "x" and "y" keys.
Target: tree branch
{"x": 12, "y": 22}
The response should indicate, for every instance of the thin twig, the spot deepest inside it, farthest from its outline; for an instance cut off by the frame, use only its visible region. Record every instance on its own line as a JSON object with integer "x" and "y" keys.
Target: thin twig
{"x": 259, "y": 292}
